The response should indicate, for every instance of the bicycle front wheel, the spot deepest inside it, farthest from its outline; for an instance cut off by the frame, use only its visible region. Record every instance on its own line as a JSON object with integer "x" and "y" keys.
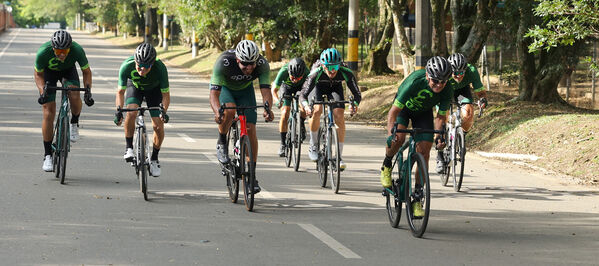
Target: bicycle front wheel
{"x": 142, "y": 162}
{"x": 459, "y": 154}
{"x": 297, "y": 141}
{"x": 247, "y": 172}
{"x": 322, "y": 162}
{"x": 63, "y": 147}
{"x": 417, "y": 195}
{"x": 334, "y": 158}
{"x": 289, "y": 142}
{"x": 232, "y": 169}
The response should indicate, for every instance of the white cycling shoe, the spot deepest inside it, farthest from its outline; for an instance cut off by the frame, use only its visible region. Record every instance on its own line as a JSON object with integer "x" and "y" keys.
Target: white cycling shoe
{"x": 128, "y": 155}
{"x": 48, "y": 165}
{"x": 74, "y": 132}
{"x": 155, "y": 168}
{"x": 313, "y": 153}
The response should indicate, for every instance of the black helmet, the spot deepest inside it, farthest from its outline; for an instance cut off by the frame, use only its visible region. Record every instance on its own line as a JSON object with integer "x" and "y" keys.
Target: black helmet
{"x": 458, "y": 62}
{"x": 61, "y": 39}
{"x": 296, "y": 67}
{"x": 145, "y": 54}
{"x": 438, "y": 68}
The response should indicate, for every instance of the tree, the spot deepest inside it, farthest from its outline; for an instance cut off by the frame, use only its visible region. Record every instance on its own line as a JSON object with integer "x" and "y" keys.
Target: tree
{"x": 472, "y": 22}
{"x": 383, "y": 37}
{"x": 439, "y": 10}
{"x": 398, "y": 8}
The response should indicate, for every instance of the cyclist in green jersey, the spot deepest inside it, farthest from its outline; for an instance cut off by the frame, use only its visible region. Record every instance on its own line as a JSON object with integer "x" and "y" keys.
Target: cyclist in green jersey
{"x": 416, "y": 97}
{"x": 55, "y": 61}
{"x": 290, "y": 79}
{"x": 142, "y": 76}
{"x": 231, "y": 84}
{"x": 464, "y": 77}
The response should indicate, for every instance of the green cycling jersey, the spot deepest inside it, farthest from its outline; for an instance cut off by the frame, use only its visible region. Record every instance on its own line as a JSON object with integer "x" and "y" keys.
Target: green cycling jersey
{"x": 471, "y": 78}
{"x": 46, "y": 59}
{"x": 415, "y": 94}
{"x": 226, "y": 73}
{"x": 283, "y": 78}
{"x": 156, "y": 78}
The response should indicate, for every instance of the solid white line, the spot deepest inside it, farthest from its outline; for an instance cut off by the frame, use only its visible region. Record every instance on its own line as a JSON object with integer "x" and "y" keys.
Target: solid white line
{"x": 511, "y": 156}
{"x": 265, "y": 194}
{"x": 9, "y": 43}
{"x": 331, "y": 242}
{"x": 211, "y": 157}
{"x": 186, "y": 138}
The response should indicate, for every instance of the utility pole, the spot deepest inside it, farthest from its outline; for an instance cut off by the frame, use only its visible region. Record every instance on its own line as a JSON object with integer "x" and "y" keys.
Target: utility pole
{"x": 352, "y": 34}
{"x": 424, "y": 31}
{"x": 147, "y": 19}
{"x": 165, "y": 23}
{"x": 194, "y": 48}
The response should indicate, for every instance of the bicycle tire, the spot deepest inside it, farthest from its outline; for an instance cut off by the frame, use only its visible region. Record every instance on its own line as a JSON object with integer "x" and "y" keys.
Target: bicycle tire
{"x": 446, "y": 162}
{"x": 56, "y": 150}
{"x": 297, "y": 143}
{"x": 417, "y": 224}
{"x": 232, "y": 172}
{"x": 64, "y": 147}
{"x": 289, "y": 142}
{"x": 334, "y": 158}
{"x": 459, "y": 159}
{"x": 247, "y": 173}
{"x": 393, "y": 202}
{"x": 141, "y": 163}
{"x": 321, "y": 162}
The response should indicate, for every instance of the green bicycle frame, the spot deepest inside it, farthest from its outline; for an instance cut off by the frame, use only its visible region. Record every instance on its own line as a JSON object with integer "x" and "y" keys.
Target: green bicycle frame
{"x": 63, "y": 115}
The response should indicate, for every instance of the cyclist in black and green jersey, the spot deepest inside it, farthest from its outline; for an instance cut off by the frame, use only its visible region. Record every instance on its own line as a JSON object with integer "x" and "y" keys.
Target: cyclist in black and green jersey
{"x": 416, "y": 97}
{"x": 143, "y": 76}
{"x": 329, "y": 84}
{"x": 232, "y": 84}
{"x": 290, "y": 79}
{"x": 55, "y": 61}
{"x": 464, "y": 77}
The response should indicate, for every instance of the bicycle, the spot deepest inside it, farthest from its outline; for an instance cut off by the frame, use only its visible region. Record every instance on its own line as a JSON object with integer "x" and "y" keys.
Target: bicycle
{"x": 328, "y": 145}
{"x": 454, "y": 154}
{"x": 61, "y": 144}
{"x": 295, "y": 136}
{"x": 405, "y": 188}
{"x": 141, "y": 158}
{"x": 237, "y": 167}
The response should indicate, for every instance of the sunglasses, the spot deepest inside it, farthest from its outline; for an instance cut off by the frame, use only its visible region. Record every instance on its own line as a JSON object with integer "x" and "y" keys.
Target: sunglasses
{"x": 247, "y": 63}
{"x": 438, "y": 81}
{"x": 62, "y": 51}
{"x": 458, "y": 73}
{"x": 146, "y": 66}
{"x": 334, "y": 67}
{"x": 295, "y": 79}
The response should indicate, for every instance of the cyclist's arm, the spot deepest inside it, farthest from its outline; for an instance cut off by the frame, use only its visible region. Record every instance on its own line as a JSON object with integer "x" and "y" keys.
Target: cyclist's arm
{"x": 166, "y": 100}
{"x": 440, "y": 120}
{"x": 352, "y": 84}
{"x": 266, "y": 96}
{"x": 275, "y": 93}
{"x": 87, "y": 77}
{"x": 282, "y": 75}
{"x": 39, "y": 80}
{"x": 308, "y": 87}
{"x": 120, "y": 97}
{"x": 392, "y": 117}
{"x": 214, "y": 97}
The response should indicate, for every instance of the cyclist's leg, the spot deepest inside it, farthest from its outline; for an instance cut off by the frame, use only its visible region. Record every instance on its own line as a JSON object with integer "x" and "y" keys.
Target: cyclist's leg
{"x": 338, "y": 114}
{"x": 467, "y": 112}
{"x": 133, "y": 99}
{"x": 392, "y": 146}
{"x": 424, "y": 141}
{"x": 285, "y": 108}
{"x": 153, "y": 99}
{"x": 316, "y": 113}
{"x": 48, "y": 114}
{"x": 71, "y": 80}
{"x": 226, "y": 98}
{"x": 247, "y": 97}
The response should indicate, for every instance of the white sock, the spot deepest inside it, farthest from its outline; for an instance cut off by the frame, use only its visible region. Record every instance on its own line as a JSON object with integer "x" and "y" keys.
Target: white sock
{"x": 340, "y": 149}
{"x": 313, "y": 137}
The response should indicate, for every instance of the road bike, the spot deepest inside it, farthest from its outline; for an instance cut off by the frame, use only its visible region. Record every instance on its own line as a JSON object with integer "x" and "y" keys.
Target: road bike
{"x": 295, "y": 135}
{"x": 454, "y": 154}
{"x": 410, "y": 184}
{"x": 240, "y": 165}
{"x": 141, "y": 150}
{"x": 328, "y": 145}
{"x": 61, "y": 144}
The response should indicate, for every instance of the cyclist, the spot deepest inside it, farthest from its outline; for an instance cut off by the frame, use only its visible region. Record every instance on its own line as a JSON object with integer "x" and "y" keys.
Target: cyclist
{"x": 143, "y": 76}
{"x": 55, "y": 60}
{"x": 232, "y": 84}
{"x": 329, "y": 84}
{"x": 416, "y": 96}
{"x": 464, "y": 76}
{"x": 290, "y": 79}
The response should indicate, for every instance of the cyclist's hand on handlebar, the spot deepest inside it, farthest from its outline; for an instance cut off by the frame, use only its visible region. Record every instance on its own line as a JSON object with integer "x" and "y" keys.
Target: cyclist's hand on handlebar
{"x": 118, "y": 117}
{"x": 164, "y": 117}
{"x": 44, "y": 96}
{"x": 218, "y": 117}
{"x": 353, "y": 109}
{"x": 87, "y": 98}
{"x": 268, "y": 115}
{"x": 440, "y": 141}
{"x": 278, "y": 104}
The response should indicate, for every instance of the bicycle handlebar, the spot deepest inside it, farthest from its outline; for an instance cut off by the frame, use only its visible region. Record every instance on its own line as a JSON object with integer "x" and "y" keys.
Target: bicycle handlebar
{"x": 87, "y": 97}
{"x": 221, "y": 110}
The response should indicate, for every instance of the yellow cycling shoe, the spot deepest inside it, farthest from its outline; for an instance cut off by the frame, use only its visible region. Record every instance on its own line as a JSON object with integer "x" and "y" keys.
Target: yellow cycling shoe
{"x": 417, "y": 209}
{"x": 386, "y": 176}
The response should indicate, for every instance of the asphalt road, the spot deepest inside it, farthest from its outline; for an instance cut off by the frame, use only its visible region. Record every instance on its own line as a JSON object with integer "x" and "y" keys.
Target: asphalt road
{"x": 505, "y": 215}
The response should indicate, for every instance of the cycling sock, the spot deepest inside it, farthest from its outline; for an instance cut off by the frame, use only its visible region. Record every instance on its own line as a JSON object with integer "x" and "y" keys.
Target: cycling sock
{"x": 283, "y": 136}
{"x": 129, "y": 142}
{"x": 222, "y": 138}
{"x": 155, "y": 154}
{"x": 313, "y": 137}
{"x": 340, "y": 149}
{"x": 75, "y": 119}
{"x": 387, "y": 161}
{"x": 47, "y": 148}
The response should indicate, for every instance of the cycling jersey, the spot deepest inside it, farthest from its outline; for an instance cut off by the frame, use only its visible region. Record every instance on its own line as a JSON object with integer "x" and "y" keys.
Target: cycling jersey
{"x": 317, "y": 78}
{"x": 157, "y": 78}
{"x": 415, "y": 94}
{"x": 471, "y": 77}
{"x": 287, "y": 87}
{"x": 226, "y": 72}
{"x": 46, "y": 59}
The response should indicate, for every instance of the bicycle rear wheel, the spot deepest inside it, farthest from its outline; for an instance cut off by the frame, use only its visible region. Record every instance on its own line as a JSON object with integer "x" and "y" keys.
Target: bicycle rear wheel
{"x": 142, "y": 162}
{"x": 64, "y": 147}
{"x": 247, "y": 172}
{"x": 334, "y": 159}
{"x": 417, "y": 191}
{"x": 232, "y": 169}
{"x": 322, "y": 162}
{"x": 289, "y": 142}
{"x": 459, "y": 154}
{"x": 297, "y": 141}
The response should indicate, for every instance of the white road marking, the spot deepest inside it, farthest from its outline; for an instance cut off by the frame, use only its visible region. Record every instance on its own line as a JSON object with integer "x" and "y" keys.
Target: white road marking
{"x": 265, "y": 194}
{"x": 186, "y": 138}
{"x": 508, "y": 156}
{"x": 211, "y": 157}
{"x": 331, "y": 242}
{"x": 168, "y": 125}
{"x": 9, "y": 43}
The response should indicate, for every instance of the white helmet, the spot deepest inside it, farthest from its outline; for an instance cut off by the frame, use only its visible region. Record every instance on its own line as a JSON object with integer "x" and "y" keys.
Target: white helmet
{"x": 247, "y": 51}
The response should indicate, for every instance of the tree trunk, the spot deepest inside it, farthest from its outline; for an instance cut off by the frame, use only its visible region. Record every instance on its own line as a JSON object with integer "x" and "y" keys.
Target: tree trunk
{"x": 383, "y": 36}
{"x": 471, "y": 44}
{"x": 438, "y": 16}
{"x": 405, "y": 49}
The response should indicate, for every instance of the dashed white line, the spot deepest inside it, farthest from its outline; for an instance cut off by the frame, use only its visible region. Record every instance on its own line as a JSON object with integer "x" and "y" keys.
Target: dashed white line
{"x": 9, "y": 43}
{"x": 186, "y": 138}
{"x": 329, "y": 241}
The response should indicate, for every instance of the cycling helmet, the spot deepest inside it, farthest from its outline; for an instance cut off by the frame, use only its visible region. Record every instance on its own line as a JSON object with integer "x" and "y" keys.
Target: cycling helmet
{"x": 330, "y": 56}
{"x": 458, "y": 62}
{"x": 296, "y": 67}
{"x": 438, "y": 68}
{"x": 247, "y": 51}
{"x": 145, "y": 54}
{"x": 61, "y": 39}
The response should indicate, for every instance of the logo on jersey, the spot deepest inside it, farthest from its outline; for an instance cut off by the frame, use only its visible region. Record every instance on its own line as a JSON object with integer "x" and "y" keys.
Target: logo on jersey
{"x": 416, "y": 102}
{"x": 241, "y": 77}
{"x": 53, "y": 64}
{"x": 226, "y": 62}
{"x": 261, "y": 61}
{"x": 135, "y": 78}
